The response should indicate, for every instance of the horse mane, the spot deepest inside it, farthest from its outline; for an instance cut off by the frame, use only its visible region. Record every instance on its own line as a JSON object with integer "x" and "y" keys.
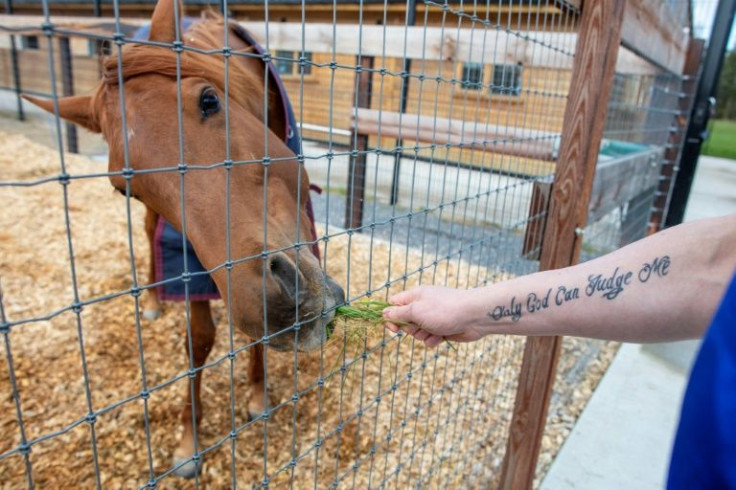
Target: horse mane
{"x": 244, "y": 87}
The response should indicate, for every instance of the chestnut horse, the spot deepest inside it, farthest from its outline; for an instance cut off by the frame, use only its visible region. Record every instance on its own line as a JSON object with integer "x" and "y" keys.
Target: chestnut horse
{"x": 274, "y": 296}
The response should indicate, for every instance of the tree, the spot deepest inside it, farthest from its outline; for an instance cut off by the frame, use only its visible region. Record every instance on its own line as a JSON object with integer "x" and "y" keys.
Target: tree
{"x": 726, "y": 94}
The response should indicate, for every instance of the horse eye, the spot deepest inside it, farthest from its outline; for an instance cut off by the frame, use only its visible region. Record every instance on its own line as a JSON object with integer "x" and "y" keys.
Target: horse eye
{"x": 209, "y": 103}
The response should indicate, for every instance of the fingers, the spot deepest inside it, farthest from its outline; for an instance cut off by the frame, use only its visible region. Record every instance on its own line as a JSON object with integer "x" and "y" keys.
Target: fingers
{"x": 410, "y": 329}
{"x": 399, "y": 313}
{"x": 392, "y": 327}
{"x": 403, "y": 297}
{"x": 429, "y": 339}
{"x": 433, "y": 341}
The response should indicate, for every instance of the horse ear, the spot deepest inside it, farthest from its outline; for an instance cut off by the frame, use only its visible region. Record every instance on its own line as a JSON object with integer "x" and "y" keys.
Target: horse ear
{"x": 76, "y": 108}
{"x": 165, "y": 20}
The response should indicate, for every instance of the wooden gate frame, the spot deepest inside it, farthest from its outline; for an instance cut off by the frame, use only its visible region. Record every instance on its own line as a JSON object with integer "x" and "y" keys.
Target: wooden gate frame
{"x": 593, "y": 71}
{"x": 641, "y": 26}
{"x": 605, "y": 26}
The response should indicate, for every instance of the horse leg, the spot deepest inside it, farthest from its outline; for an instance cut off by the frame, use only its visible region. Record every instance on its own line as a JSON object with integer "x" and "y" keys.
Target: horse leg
{"x": 151, "y": 303}
{"x": 259, "y": 401}
{"x": 203, "y": 337}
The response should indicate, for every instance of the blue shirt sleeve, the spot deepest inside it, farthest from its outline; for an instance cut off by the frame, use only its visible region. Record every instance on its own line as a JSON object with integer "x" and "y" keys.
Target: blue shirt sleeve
{"x": 704, "y": 453}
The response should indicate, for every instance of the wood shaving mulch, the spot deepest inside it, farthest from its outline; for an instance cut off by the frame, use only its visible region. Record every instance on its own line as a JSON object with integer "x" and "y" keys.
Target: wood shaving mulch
{"x": 393, "y": 415}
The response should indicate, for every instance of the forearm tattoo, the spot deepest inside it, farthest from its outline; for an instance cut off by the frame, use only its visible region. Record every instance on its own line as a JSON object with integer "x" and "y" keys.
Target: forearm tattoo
{"x": 607, "y": 286}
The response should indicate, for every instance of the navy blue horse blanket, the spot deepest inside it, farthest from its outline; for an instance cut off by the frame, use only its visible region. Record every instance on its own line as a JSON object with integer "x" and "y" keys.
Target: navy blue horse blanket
{"x": 168, "y": 246}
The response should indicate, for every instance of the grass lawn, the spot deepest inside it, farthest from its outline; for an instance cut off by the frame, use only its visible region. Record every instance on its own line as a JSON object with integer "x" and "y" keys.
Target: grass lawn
{"x": 722, "y": 141}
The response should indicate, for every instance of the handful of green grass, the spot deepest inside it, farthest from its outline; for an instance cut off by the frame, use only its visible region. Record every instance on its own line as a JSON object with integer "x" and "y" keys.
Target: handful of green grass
{"x": 365, "y": 317}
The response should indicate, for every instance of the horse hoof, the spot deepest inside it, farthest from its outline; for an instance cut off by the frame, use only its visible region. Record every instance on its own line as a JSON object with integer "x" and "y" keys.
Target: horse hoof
{"x": 190, "y": 469}
{"x": 151, "y": 314}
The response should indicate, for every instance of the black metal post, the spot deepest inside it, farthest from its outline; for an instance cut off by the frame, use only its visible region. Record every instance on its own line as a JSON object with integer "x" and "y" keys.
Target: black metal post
{"x": 355, "y": 197}
{"x": 67, "y": 85}
{"x": 16, "y": 78}
{"x": 696, "y": 130}
{"x": 411, "y": 19}
{"x": 15, "y": 67}
{"x": 97, "y": 8}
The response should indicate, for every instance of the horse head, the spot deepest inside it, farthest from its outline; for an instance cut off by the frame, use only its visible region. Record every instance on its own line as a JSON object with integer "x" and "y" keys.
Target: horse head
{"x": 245, "y": 213}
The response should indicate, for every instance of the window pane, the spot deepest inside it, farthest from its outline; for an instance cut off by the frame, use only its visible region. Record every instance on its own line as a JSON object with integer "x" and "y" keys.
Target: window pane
{"x": 285, "y": 66}
{"x": 29, "y": 42}
{"x": 472, "y": 76}
{"x": 506, "y": 80}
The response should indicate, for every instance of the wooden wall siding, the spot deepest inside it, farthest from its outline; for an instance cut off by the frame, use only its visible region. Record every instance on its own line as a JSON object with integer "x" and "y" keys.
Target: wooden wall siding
{"x": 329, "y": 102}
{"x": 654, "y": 30}
{"x": 540, "y": 106}
{"x": 514, "y": 17}
{"x": 35, "y": 76}
{"x": 430, "y": 42}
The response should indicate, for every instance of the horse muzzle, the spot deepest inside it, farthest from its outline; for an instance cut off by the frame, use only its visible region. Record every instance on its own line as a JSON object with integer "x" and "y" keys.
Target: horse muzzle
{"x": 315, "y": 331}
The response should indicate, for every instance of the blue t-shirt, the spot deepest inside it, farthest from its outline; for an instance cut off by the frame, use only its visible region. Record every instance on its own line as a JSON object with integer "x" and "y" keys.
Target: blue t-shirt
{"x": 704, "y": 454}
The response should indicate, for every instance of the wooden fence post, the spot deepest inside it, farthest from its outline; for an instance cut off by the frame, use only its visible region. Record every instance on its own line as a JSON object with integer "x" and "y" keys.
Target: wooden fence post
{"x": 355, "y": 196}
{"x": 15, "y": 67}
{"x": 67, "y": 85}
{"x": 593, "y": 70}
{"x": 675, "y": 143}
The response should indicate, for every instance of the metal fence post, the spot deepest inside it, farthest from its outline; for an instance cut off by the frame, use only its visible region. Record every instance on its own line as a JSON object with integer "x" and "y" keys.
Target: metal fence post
{"x": 411, "y": 19}
{"x": 598, "y": 43}
{"x": 67, "y": 83}
{"x": 700, "y": 114}
{"x": 355, "y": 196}
{"x": 15, "y": 67}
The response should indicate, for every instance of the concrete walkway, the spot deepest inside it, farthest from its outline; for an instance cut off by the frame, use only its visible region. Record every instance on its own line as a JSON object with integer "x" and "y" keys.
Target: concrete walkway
{"x": 624, "y": 436}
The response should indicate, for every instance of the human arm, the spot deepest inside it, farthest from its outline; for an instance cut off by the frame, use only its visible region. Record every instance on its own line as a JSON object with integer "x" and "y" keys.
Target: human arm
{"x": 664, "y": 287}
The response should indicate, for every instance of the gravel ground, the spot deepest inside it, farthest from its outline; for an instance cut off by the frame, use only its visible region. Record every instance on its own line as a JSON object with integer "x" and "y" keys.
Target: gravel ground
{"x": 426, "y": 238}
{"x": 433, "y": 234}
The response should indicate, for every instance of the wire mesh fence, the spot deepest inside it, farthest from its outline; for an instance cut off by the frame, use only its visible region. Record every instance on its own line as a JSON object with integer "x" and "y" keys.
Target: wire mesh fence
{"x": 644, "y": 124}
{"x": 429, "y": 141}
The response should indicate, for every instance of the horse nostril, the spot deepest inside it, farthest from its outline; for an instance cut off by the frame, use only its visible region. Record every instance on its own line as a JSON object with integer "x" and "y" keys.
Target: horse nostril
{"x": 277, "y": 264}
{"x": 286, "y": 275}
{"x": 337, "y": 292}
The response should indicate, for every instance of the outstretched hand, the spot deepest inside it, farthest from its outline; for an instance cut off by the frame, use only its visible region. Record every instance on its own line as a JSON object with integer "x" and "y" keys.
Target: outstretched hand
{"x": 432, "y": 314}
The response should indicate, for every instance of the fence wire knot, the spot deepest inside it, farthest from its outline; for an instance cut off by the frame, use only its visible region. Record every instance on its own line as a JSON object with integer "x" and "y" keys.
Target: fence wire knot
{"x": 47, "y": 28}
{"x": 438, "y": 183}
